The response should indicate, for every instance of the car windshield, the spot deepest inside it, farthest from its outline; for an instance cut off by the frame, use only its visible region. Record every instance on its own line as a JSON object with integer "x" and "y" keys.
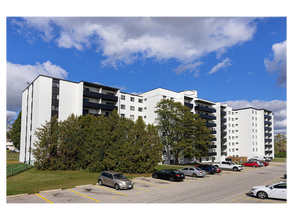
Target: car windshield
{"x": 119, "y": 176}
{"x": 176, "y": 171}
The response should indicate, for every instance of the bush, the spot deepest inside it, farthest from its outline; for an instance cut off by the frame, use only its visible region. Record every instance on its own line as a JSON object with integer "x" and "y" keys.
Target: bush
{"x": 98, "y": 143}
{"x": 281, "y": 155}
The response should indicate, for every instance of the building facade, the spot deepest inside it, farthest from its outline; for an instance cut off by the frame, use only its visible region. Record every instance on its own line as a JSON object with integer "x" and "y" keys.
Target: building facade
{"x": 241, "y": 132}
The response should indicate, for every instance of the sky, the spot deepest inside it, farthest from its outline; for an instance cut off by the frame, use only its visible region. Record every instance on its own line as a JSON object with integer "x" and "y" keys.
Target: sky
{"x": 240, "y": 61}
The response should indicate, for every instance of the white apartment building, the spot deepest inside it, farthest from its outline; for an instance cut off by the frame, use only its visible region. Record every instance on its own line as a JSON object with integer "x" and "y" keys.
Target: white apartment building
{"x": 240, "y": 132}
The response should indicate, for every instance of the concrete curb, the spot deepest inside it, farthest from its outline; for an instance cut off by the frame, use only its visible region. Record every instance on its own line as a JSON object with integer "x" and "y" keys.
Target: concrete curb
{"x": 84, "y": 185}
{"x": 18, "y": 195}
{"x": 50, "y": 190}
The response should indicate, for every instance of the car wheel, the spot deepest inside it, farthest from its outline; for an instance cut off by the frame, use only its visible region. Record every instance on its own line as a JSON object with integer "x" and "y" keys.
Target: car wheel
{"x": 253, "y": 165}
{"x": 117, "y": 187}
{"x": 235, "y": 169}
{"x": 171, "y": 179}
{"x": 100, "y": 182}
{"x": 155, "y": 176}
{"x": 194, "y": 175}
{"x": 262, "y": 195}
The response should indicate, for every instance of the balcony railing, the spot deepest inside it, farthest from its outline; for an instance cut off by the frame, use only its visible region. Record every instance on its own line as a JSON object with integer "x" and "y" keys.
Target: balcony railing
{"x": 188, "y": 105}
{"x": 97, "y": 95}
{"x": 208, "y": 124}
{"x": 98, "y": 106}
{"x": 206, "y": 109}
{"x": 209, "y": 117}
{"x": 212, "y": 154}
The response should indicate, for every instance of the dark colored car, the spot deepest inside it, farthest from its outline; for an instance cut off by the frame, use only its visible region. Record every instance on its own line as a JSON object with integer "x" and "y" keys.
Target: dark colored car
{"x": 169, "y": 174}
{"x": 208, "y": 168}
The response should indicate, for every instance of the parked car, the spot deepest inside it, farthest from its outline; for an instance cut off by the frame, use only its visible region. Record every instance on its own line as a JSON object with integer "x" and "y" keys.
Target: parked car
{"x": 262, "y": 158}
{"x": 250, "y": 164}
{"x": 219, "y": 170}
{"x": 208, "y": 168}
{"x": 15, "y": 151}
{"x": 193, "y": 171}
{"x": 228, "y": 165}
{"x": 265, "y": 163}
{"x": 115, "y": 179}
{"x": 169, "y": 174}
{"x": 260, "y": 164}
{"x": 277, "y": 191}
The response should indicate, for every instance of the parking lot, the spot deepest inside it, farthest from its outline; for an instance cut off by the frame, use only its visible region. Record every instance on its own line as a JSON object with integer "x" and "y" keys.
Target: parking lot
{"x": 225, "y": 187}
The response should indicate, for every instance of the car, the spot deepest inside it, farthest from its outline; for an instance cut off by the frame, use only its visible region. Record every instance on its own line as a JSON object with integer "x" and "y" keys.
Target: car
{"x": 276, "y": 191}
{"x": 193, "y": 171}
{"x": 169, "y": 174}
{"x": 210, "y": 169}
{"x": 265, "y": 163}
{"x": 260, "y": 163}
{"x": 250, "y": 164}
{"x": 15, "y": 151}
{"x": 115, "y": 179}
{"x": 219, "y": 170}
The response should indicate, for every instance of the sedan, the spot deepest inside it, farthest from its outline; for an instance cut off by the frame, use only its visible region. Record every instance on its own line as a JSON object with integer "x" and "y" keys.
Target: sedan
{"x": 250, "y": 164}
{"x": 169, "y": 174}
{"x": 208, "y": 168}
{"x": 193, "y": 171}
{"x": 115, "y": 179}
{"x": 276, "y": 191}
{"x": 265, "y": 163}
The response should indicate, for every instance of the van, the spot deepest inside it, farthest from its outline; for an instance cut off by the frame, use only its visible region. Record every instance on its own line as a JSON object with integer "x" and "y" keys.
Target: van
{"x": 262, "y": 158}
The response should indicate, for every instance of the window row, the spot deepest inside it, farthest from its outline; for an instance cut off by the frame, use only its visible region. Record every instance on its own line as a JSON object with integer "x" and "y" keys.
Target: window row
{"x": 132, "y": 108}
{"x": 132, "y": 99}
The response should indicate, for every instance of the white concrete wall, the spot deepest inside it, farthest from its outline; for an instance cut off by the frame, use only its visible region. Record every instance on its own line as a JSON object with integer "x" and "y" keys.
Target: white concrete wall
{"x": 70, "y": 99}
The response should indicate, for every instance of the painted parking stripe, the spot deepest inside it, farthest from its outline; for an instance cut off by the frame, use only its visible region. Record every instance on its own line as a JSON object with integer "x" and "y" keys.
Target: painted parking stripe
{"x": 149, "y": 183}
{"x": 44, "y": 198}
{"x": 111, "y": 190}
{"x": 167, "y": 181}
{"x": 261, "y": 200}
{"x": 141, "y": 189}
{"x": 84, "y": 195}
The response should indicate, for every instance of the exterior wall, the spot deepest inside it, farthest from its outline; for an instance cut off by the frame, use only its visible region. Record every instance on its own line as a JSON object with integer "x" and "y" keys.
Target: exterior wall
{"x": 70, "y": 99}
{"x": 241, "y": 132}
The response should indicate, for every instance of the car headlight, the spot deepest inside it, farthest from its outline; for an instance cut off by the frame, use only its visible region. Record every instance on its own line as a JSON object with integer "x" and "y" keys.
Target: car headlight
{"x": 123, "y": 183}
{"x": 252, "y": 189}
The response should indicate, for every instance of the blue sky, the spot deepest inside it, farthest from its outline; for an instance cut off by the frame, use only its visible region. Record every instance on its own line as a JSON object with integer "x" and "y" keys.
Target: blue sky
{"x": 237, "y": 60}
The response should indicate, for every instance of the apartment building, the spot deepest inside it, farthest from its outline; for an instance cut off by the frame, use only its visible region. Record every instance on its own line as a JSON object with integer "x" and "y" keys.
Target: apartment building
{"x": 240, "y": 132}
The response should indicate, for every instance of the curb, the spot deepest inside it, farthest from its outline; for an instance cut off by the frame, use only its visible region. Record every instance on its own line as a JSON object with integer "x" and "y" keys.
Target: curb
{"x": 18, "y": 195}
{"x": 84, "y": 185}
{"x": 50, "y": 190}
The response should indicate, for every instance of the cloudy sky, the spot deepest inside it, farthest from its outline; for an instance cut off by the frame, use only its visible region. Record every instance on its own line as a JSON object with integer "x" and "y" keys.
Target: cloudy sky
{"x": 236, "y": 60}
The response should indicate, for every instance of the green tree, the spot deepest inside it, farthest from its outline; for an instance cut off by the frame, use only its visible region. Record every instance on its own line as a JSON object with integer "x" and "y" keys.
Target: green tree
{"x": 280, "y": 143}
{"x": 182, "y": 132}
{"x": 47, "y": 145}
{"x": 15, "y": 131}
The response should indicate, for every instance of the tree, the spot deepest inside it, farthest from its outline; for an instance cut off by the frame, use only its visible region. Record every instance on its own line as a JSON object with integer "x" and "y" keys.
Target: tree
{"x": 15, "y": 131}
{"x": 182, "y": 132}
{"x": 47, "y": 145}
{"x": 280, "y": 143}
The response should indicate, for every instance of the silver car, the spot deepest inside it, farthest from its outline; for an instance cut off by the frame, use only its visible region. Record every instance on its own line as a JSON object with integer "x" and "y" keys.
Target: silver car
{"x": 193, "y": 171}
{"x": 115, "y": 179}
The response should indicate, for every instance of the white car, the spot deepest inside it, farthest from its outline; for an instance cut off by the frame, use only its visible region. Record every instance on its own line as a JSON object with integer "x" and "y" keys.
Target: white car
{"x": 276, "y": 191}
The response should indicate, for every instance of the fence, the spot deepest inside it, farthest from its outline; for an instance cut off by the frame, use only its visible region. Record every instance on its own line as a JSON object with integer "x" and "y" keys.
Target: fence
{"x": 238, "y": 159}
{"x": 17, "y": 168}
{"x": 12, "y": 169}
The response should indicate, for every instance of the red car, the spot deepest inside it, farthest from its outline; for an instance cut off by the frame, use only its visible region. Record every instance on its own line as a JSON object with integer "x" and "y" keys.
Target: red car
{"x": 250, "y": 164}
{"x": 265, "y": 163}
{"x": 219, "y": 170}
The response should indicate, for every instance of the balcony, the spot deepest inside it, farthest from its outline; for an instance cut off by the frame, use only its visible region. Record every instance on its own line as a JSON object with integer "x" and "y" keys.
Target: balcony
{"x": 223, "y": 133}
{"x": 189, "y": 105}
{"x": 224, "y": 140}
{"x": 268, "y": 140}
{"x": 205, "y": 109}
{"x": 213, "y": 132}
{"x": 213, "y": 146}
{"x": 224, "y": 153}
{"x": 268, "y": 122}
{"x": 223, "y": 126}
{"x": 212, "y": 154}
{"x": 267, "y": 116}
{"x": 223, "y": 119}
{"x": 208, "y": 124}
{"x": 97, "y": 95}
{"x": 223, "y": 112}
{"x": 268, "y": 134}
{"x": 208, "y": 117}
{"x": 268, "y": 128}
{"x": 99, "y": 106}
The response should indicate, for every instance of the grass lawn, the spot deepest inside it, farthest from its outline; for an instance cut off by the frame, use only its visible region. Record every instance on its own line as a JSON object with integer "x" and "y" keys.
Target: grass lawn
{"x": 33, "y": 181}
{"x": 279, "y": 160}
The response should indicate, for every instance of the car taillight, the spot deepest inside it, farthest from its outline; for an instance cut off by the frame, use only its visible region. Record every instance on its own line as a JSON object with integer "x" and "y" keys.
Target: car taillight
{"x": 200, "y": 172}
{"x": 177, "y": 175}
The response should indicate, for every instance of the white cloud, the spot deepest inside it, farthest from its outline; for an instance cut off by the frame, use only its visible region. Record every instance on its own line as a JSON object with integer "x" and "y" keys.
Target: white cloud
{"x": 18, "y": 75}
{"x": 278, "y": 107}
{"x": 124, "y": 40}
{"x": 190, "y": 66}
{"x": 279, "y": 63}
{"x": 225, "y": 63}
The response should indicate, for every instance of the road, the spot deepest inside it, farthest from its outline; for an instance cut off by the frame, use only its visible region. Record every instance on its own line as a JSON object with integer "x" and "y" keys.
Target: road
{"x": 225, "y": 187}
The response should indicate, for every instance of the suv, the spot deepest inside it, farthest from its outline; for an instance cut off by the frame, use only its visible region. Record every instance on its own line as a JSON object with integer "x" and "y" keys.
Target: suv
{"x": 115, "y": 179}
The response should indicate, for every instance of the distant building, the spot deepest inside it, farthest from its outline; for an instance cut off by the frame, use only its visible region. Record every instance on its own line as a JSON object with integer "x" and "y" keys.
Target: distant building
{"x": 238, "y": 132}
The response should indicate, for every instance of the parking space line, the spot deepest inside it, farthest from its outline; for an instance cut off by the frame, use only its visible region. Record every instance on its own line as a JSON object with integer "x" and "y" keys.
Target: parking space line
{"x": 141, "y": 189}
{"x": 44, "y": 198}
{"x": 149, "y": 183}
{"x": 111, "y": 190}
{"x": 167, "y": 181}
{"x": 84, "y": 195}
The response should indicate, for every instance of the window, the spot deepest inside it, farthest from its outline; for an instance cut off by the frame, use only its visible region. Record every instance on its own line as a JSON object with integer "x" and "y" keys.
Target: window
{"x": 164, "y": 97}
{"x": 140, "y": 109}
{"x": 132, "y": 108}
{"x": 140, "y": 100}
{"x": 122, "y": 106}
{"x": 132, "y": 117}
{"x": 122, "y": 97}
{"x": 132, "y": 99}
{"x": 122, "y": 115}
